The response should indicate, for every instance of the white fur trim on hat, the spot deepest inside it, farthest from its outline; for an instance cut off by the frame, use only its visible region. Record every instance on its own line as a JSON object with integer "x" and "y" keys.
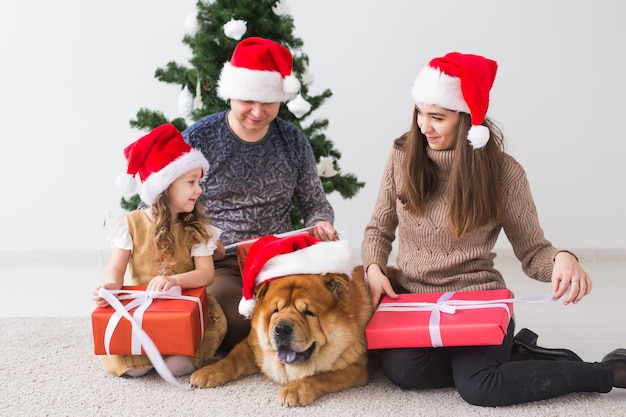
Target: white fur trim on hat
{"x": 158, "y": 182}
{"x": 320, "y": 258}
{"x": 433, "y": 87}
{"x": 255, "y": 85}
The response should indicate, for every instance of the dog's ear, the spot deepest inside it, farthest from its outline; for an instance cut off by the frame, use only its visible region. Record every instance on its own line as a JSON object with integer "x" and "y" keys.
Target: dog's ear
{"x": 337, "y": 284}
{"x": 260, "y": 292}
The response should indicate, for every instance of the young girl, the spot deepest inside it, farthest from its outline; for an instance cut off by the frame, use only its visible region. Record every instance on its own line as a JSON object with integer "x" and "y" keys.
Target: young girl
{"x": 449, "y": 189}
{"x": 168, "y": 244}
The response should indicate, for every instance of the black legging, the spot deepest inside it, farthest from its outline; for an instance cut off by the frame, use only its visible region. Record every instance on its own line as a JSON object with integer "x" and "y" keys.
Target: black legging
{"x": 485, "y": 376}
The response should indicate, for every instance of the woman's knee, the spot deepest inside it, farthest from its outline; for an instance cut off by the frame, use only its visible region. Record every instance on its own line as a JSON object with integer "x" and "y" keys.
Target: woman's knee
{"x": 414, "y": 369}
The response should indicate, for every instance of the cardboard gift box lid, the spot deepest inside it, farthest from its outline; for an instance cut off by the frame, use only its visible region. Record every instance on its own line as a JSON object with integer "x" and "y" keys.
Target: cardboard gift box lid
{"x": 175, "y": 325}
{"x": 464, "y": 318}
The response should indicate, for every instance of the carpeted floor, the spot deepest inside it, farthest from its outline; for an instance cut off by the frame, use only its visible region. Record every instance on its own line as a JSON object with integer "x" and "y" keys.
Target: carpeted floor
{"x": 49, "y": 369}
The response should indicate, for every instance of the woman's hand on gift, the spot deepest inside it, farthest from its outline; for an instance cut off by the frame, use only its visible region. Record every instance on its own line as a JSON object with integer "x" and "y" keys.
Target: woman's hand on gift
{"x": 568, "y": 274}
{"x": 99, "y": 300}
{"x": 379, "y": 284}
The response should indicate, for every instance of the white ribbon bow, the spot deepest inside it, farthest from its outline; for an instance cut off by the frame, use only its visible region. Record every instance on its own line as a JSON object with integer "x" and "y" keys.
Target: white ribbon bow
{"x": 140, "y": 339}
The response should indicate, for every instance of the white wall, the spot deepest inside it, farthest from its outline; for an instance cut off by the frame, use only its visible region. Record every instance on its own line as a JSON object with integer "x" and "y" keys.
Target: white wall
{"x": 74, "y": 73}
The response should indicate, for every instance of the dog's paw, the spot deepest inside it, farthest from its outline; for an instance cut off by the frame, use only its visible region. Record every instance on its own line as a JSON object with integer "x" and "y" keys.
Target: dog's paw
{"x": 297, "y": 394}
{"x": 206, "y": 378}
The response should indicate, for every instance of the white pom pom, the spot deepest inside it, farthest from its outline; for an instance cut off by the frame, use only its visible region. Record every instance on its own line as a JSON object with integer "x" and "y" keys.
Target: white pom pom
{"x": 478, "y": 136}
{"x": 191, "y": 24}
{"x": 291, "y": 85}
{"x": 185, "y": 104}
{"x": 126, "y": 184}
{"x": 246, "y": 307}
{"x": 281, "y": 8}
{"x": 299, "y": 106}
{"x": 235, "y": 29}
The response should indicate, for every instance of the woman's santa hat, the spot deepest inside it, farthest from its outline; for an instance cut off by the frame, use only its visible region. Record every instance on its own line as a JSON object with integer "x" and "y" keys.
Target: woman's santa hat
{"x": 158, "y": 159}
{"x": 459, "y": 82}
{"x": 259, "y": 70}
{"x": 273, "y": 257}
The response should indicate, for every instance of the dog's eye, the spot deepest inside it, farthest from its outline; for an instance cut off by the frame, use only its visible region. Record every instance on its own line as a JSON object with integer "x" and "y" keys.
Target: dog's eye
{"x": 309, "y": 313}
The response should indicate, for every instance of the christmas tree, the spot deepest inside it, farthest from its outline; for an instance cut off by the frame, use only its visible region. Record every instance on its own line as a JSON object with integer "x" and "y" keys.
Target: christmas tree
{"x": 213, "y": 31}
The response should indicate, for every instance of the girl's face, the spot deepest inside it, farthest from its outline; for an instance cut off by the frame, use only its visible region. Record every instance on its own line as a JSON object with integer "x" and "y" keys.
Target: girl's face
{"x": 250, "y": 119}
{"x": 184, "y": 192}
{"x": 438, "y": 125}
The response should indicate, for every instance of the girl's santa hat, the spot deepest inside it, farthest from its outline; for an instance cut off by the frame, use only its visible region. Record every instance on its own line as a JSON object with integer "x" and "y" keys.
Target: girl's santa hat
{"x": 273, "y": 257}
{"x": 259, "y": 70}
{"x": 459, "y": 82}
{"x": 158, "y": 159}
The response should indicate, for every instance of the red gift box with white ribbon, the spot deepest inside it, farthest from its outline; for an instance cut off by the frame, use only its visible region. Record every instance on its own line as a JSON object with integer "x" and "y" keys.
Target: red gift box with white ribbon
{"x": 464, "y": 318}
{"x": 174, "y": 320}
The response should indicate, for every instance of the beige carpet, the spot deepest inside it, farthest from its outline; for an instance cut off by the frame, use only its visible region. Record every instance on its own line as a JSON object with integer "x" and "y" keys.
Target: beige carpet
{"x": 49, "y": 369}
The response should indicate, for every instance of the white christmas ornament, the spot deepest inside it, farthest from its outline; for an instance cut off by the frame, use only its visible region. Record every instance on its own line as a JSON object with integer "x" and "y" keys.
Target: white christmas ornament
{"x": 191, "y": 24}
{"x": 185, "y": 104}
{"x": 307, "y": 76}
{"x": 281, "y": 8}
{"x": 235, "y": 29}
{"x": 197, "y": 101}
{"x": 299, "y": 106}
{"x": 325, "y": 167}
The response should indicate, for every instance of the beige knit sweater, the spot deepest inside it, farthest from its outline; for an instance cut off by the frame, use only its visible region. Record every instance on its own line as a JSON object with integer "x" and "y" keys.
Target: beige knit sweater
{"x": 431, "y": 258}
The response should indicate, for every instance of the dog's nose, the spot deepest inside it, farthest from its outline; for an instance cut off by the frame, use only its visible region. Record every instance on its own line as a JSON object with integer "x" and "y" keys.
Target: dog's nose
{"x": 282, "y": 330}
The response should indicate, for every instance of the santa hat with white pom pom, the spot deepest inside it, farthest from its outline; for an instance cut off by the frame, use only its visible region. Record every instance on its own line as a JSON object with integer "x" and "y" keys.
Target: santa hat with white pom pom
{"x": 459, "y": 82}
{"x": 259, "y": 70}
{"x": 272, "y": 257}
{"x": 158, "y": 159}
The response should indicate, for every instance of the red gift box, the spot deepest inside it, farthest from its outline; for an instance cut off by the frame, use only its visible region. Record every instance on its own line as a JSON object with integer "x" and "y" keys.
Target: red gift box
{"x": 465, "y": 318}
{"x": 175, "y": 325}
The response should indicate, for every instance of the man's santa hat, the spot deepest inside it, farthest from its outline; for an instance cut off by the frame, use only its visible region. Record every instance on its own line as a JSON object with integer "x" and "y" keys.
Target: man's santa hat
{"x": 158, "y": 159}
{"x": 459, "y": 82}
{"x": 259, "y": 70}
{"x": 273, "y": 257}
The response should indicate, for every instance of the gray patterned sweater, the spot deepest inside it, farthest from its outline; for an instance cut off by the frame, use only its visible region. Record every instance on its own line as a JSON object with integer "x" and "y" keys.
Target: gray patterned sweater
{"x": 249, "y": 188}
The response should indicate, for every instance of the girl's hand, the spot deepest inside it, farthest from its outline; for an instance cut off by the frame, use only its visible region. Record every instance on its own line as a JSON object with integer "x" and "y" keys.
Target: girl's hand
{"x": 161, "y": 283}
{"x": 99, "y": 300}
{"x": 379, "y": 284}
{"x": 567, "y": 273}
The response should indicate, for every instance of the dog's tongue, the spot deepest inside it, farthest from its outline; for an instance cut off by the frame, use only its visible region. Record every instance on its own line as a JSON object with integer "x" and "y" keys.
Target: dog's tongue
{"x": 286, "y": 355}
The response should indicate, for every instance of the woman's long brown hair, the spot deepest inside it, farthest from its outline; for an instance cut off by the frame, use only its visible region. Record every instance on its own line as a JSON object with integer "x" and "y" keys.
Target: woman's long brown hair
{"x": 475, "y": 182}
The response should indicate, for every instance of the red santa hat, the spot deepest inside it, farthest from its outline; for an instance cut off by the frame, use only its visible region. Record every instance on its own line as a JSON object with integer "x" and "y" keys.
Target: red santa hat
{"x": 459, "y": 82}
{"x": 273, "y": 257}
{"x": 158, "y": 159}
{"x": 259, "y": 70}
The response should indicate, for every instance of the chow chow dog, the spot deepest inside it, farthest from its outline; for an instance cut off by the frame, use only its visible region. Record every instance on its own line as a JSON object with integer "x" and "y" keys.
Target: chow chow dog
{"x": 307, "y": 334}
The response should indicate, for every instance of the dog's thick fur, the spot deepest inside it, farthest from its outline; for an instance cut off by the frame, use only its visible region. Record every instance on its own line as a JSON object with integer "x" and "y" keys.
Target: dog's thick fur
{"x": 307, "y": 334}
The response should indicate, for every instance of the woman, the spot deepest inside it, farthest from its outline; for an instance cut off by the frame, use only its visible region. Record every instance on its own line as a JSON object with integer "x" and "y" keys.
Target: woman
{"x": 449, "y": 189}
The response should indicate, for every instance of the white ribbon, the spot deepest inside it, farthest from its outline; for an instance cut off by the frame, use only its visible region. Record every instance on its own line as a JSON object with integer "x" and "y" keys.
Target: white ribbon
{"x": 140, "y": 339}
{"x": 286, "y": 234}
{"x": 445, "y": 305}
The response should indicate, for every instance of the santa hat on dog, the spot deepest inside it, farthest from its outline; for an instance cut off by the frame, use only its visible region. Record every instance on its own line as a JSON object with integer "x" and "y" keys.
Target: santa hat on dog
{"x": 259, "y": 70}
{"x": 459, "y": 82}
{"x": 158, "y": 159}
{"x": 273, "y": 257}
